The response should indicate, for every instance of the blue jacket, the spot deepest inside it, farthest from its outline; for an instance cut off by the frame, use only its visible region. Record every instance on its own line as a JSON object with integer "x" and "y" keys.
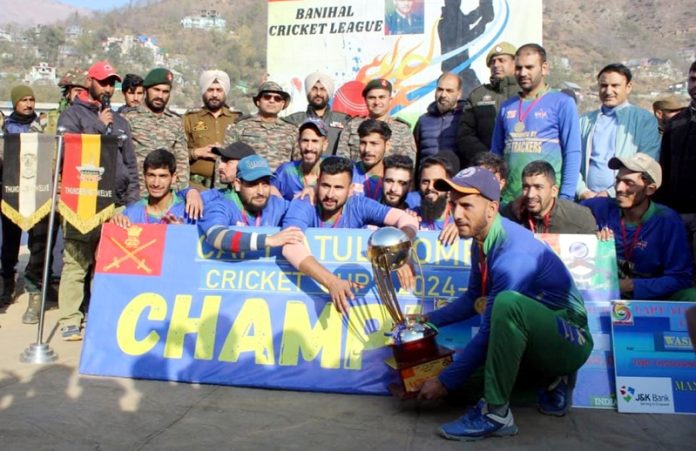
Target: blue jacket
{"x": 661, "y": 258}
{"x": 436, "y": 131}
{"x": 637, "y": 132}
{"x": 516, "y": 261}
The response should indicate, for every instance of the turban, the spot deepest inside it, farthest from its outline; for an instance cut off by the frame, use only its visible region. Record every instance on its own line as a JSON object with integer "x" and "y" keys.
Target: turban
{"x": 325, "y": 80}
{"x": 209, "y": 76}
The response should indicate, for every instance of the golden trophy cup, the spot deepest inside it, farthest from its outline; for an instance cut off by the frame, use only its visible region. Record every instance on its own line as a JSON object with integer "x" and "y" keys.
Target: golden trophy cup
{"x": 417, "y": 356}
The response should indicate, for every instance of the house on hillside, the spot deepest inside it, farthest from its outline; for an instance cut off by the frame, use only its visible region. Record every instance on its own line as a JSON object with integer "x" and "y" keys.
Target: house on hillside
{"x": 42, "y": 74}
{"x": 129, "y": 42}
{"x": 5, "y": 36}
{"x": 208, "y": 19}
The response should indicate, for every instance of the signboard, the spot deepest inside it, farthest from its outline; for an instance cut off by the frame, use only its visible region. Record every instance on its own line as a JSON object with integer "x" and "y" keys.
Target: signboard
{"x": 166, "y": 306}
{"x": 655, "y": 361}
{"x": 355, "y": 41}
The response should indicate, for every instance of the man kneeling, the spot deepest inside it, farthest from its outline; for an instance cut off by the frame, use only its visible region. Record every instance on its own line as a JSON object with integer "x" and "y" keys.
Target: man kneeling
{"x": 532, "y": 313}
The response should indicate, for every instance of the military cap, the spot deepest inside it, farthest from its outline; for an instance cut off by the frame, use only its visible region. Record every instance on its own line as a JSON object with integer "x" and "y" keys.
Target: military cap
{"x": 671, "y": 103}
{"x": 501, "y": 48}
{"x": 74, "y": 77}
{"x": 271, "y": 86}
{"x": 377, "y": 83}
{"x": 158, "y": 76}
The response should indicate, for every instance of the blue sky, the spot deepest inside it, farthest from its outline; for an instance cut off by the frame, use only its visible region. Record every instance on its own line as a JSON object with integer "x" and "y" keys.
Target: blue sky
{"x": 102, "y": 5}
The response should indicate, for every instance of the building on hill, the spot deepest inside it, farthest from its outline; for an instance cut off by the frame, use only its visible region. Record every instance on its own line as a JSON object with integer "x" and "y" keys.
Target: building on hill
{"x": 208, "y": 19}
{"x": 42, "y": 74}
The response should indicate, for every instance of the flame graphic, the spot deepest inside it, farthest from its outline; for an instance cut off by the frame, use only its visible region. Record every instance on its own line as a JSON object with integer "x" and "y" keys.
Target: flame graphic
{"x": 398, "y": 66}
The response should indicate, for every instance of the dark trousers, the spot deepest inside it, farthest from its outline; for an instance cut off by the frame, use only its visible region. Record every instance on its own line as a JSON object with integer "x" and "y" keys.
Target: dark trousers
{"x": 9, "y": 254}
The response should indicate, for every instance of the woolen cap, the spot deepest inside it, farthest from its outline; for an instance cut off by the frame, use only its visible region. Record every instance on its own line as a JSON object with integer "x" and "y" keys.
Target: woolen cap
{"x": 20, "y": 92}
{"x": 158, "y": 76}
{"x": 639, "y": 162}
{"x": 473, "y": 180}
{"x": 501, "y": 48}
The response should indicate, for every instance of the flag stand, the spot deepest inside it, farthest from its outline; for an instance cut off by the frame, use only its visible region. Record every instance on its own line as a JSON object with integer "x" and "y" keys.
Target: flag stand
{"x": 40, "y": 352}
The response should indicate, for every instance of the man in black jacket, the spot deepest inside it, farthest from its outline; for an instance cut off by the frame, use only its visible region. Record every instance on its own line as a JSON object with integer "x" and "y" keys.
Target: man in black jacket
{"x": 86, "y": 115}
{"x": 678, "y": 161}
{"x": 478, "y": 119}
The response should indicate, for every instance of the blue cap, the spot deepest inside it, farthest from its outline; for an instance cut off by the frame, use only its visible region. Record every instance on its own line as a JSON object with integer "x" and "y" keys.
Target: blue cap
{"x": 252, "y": 168}
{"x": 473, "y": 180}
{"x": 317, "y": 124}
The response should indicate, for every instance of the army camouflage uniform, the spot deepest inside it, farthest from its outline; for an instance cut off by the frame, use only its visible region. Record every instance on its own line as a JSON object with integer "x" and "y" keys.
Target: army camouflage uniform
{"x": 202, "y": 129}
{"x": 152, "y": 131}
{"x": 402, "y": 141}
{"x": 275, "y": 141}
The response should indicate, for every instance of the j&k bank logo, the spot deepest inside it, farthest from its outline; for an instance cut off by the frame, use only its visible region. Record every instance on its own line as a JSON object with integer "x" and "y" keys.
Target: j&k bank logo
{"x": 645, "y": 394}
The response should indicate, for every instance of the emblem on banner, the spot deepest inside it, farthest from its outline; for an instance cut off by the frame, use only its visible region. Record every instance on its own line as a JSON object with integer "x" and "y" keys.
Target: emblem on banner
{"x": 137, "y": 250}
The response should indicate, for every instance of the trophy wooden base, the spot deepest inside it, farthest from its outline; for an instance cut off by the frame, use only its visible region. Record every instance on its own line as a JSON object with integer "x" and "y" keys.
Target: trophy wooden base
{"x": 413, "y": 373}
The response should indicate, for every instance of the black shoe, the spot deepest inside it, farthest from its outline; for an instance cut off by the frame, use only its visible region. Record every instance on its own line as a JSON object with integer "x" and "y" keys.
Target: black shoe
{"x": 8, "y": 289}
{"x": 31, "y": 315}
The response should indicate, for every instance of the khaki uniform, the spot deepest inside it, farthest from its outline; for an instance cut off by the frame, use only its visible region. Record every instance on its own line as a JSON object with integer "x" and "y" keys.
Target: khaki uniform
{"x": 152, "y": 131}
{"x": 203, "y": 129}
{"x": 402, "y": 141}
{"x": 275, "y": 141}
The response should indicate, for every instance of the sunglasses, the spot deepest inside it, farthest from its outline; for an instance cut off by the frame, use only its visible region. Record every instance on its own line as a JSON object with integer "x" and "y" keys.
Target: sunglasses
{"x": 274, "y": 97}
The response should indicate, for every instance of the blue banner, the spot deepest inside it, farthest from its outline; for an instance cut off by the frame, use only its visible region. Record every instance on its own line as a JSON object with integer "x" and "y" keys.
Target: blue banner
{"x": 166, "y": 306}
{"x": 654, "y": 358}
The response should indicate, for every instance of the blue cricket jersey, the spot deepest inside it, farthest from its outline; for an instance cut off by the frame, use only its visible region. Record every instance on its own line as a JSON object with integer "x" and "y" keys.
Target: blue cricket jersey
{"x": 137, "y": 211}
{"x": 358, "y": 212}
{"x": 516, "y": 261}
{"x": 289, "y": 179}
{"x": 225, "y": 208}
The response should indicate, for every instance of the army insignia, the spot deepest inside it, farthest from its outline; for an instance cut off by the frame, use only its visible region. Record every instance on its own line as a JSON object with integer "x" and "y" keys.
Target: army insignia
{"x": 200, "y": 127}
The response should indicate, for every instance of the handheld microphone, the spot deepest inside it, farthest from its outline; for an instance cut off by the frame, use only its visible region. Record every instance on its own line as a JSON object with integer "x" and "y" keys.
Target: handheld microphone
{"x": 106, "y": 105}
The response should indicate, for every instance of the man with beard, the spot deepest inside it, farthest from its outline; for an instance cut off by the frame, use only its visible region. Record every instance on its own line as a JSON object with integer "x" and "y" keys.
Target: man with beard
{"x": 294, "y": 176}
{"x": 433, "y": 212}
{"x": 540, "y": 210}
{"x": 539, "y": 124}
{"x": 22, "y": 120}
{"x": 336, "y": 208}
{"x": 478, "y": 119}
{"x": 437, "y": 128}
{"x": 271, "y": 136}
{"x": 398, "y": 181}
{"x": 377, "y": 95}
{"x": 155, "y": 126}
{"x": 86, "y": 115}
{"x": 133, "y": 92}
{"x": 652, "y": 250}
{"x": 247, "y": 196}
{"x": 533, "y": 317}
{"x": 320, "y": 90}
{"x": 205, "y": 127}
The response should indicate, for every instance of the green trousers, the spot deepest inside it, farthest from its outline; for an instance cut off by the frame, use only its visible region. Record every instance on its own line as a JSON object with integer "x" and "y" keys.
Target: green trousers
{"x": 74, "y": 288}
{"x": 524, "y": 332}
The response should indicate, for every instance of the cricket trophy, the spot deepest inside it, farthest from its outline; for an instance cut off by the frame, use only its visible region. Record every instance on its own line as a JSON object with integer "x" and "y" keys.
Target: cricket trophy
{"x": 417, "y": 356}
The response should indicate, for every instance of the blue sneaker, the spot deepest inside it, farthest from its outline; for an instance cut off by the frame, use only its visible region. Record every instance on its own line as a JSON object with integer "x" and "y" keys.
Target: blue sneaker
{"x": 71, "y": 333}
{"x": 478, "y": 423}
{"x": 557, "y": 399}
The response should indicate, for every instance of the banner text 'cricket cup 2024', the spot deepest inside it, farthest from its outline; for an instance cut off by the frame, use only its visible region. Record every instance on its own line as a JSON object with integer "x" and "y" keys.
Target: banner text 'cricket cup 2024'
{"x": 355, "y": 41}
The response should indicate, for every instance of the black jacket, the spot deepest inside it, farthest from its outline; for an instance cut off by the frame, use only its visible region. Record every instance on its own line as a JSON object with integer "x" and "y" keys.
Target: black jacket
{"x": 678, "y": 161}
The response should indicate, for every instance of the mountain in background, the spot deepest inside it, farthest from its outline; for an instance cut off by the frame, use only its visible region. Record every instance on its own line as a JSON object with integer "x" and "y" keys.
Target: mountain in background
{"x": 24, "y": 13}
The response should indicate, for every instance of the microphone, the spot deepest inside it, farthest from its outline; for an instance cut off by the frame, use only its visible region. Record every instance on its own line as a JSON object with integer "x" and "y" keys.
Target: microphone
{"x": 106, "y": 105}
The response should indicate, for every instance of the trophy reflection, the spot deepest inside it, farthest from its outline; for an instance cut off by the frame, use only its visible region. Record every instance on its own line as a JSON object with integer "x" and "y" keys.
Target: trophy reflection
{"x": 417, "y": 356}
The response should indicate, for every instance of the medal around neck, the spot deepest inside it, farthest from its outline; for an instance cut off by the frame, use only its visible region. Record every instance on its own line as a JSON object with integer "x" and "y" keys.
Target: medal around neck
{"x": 417, "y": 356}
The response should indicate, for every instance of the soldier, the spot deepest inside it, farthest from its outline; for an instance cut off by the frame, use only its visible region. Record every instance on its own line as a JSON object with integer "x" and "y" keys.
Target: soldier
{"x": 320, "y": 90}
{"x": 133, "y": 92}
{"x": 269, "y": 135}
{"x": 377, "y": 95}
{"x": 155, "y": 126}
{"x": 205, "y": 127}
{"x": 73, "y": 83}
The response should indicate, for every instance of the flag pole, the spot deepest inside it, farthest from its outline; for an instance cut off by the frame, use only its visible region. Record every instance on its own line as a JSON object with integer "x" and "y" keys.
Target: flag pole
{"x": 40, "y": 352}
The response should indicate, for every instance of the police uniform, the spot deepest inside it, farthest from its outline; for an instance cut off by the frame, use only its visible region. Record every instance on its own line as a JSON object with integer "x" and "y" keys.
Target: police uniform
{"x": 202, "y": 128}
